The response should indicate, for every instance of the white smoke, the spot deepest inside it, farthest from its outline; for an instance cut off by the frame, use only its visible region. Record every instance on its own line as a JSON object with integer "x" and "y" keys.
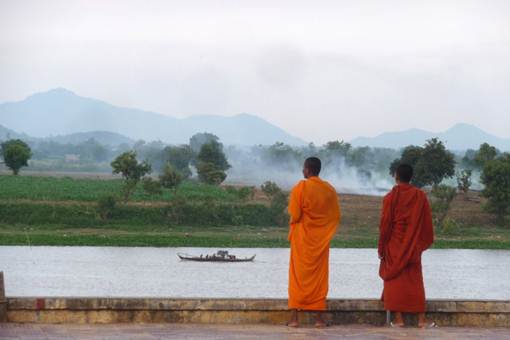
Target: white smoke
{"x": 249, "y": 169}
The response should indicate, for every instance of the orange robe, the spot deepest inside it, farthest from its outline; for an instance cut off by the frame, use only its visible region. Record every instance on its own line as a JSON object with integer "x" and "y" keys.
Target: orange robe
{"x": 314, "y": 216}
{"x": 405, "y": 232}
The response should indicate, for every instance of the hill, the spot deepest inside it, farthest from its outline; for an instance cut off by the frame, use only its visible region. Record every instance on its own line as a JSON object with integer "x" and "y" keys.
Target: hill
{"x": 458, "y": 137}
{"x": 62, "y": 112}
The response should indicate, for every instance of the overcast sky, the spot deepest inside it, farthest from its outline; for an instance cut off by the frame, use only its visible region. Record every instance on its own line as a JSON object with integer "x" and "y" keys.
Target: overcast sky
{"x": 321, "y": 70}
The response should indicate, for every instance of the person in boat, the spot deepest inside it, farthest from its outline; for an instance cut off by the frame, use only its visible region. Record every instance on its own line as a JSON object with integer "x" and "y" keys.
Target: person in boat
{"x": 314, "y": 217}
{"x": 406, "y": 231}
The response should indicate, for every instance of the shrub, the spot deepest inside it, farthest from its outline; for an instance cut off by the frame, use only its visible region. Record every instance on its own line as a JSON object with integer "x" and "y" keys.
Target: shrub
{"x": 270, "y": 189}
{"x": 278, "y": 207}
{"x": 443, "y": 196}
{"x": 106, "y": 206}
{"x": 246, "y": 193}
{"x": 170, "y": 178}
{"x": 208, "y": 173}
{"x": 464, "y": 181}
{"x": 152, "y": 187}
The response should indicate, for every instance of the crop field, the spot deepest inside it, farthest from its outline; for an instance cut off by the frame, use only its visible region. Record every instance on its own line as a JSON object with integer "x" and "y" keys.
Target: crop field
{"x": 43, "y": 210}
{"x": 46, "y": 188}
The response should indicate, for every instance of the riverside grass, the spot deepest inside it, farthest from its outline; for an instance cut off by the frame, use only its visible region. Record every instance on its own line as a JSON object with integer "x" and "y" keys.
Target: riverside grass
{"x": 63, "y": 211}
{"x": 221, "y": 237}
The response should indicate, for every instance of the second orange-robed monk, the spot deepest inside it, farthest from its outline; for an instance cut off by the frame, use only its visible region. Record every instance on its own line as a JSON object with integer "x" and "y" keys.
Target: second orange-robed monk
{"x": 406, "y": 231}
{"x": 314, "y": 217}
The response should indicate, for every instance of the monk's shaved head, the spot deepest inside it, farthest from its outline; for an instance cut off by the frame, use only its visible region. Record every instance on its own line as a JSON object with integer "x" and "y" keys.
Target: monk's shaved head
{"x": 313, "y": 165}
{"x": 404, "y": 173}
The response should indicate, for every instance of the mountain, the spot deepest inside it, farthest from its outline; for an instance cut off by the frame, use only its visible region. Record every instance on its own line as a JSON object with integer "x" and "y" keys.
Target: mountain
{"x": 6, "y": 133}
{"x": 458, "y": 137}
{"x": 62, "y": 112}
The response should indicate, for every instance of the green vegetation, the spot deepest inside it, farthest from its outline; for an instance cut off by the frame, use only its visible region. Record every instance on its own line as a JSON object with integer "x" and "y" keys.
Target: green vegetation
{"x": 431, "y": 163}
{"x": 65, "y": 211}
{"x": 245, "y": 236}
{"x": 16, "y": 154}
{"x": 71, "y": 189}
{"x": 464, "y": 181}
{"x": 212, "y": 163}
{"x": 170, "y": 178}
{"x": 496, "y": 178}
{"x": 131, "y": 170}
{"x": 442, "y": 197}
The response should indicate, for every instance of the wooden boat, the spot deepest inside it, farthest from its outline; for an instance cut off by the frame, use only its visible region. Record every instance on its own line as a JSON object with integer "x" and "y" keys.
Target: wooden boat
{"x": 220, "y": 256}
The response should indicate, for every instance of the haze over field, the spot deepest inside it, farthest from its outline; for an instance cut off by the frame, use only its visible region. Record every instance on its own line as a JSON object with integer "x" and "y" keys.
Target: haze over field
{"x": 321, "y": 71}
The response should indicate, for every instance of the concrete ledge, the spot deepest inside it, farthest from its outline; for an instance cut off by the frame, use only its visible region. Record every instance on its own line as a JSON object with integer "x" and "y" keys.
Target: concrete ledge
{"x": 238, "y": 311}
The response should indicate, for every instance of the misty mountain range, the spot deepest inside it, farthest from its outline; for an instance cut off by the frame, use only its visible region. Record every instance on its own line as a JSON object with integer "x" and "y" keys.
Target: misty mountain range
{"x": 458, "y": 137}
{"x": 64, "y": 117}
{"x": 61, "y": 112}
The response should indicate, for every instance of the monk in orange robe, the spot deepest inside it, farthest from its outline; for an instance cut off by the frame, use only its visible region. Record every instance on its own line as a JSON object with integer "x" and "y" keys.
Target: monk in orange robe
{"x": 405, "y": 232}
{"x": 314, "y": 216}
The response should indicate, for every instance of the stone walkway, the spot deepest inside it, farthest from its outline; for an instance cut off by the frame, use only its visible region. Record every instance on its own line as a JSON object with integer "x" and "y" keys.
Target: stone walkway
{"x": 190, "y": 331}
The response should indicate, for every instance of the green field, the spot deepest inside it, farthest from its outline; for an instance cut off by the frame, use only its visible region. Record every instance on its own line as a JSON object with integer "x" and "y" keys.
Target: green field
{"x": 45, "y": 188}
{"x": 63, "y": 211}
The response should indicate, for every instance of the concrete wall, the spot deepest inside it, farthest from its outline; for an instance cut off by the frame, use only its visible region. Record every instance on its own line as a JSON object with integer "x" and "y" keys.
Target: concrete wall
{"x": 238, "y": 311}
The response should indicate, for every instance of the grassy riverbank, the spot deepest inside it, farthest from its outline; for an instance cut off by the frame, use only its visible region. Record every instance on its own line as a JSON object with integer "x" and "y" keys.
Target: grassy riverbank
{"x": 218, "y": 237}
{"x": 63, "y": 211}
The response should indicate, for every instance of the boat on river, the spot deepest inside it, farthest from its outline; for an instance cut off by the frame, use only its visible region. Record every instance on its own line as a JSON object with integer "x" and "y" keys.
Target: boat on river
{"x": 220, "y": 256}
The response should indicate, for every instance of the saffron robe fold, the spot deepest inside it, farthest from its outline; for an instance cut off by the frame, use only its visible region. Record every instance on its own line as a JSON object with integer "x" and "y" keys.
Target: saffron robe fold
{"x": 405, "y": 232}
{"x": 314, "y": 216}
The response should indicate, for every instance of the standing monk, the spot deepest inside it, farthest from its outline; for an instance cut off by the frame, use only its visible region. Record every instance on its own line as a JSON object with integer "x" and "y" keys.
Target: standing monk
{"x": 405, "y": 232}
{"x": 314, "y": 217}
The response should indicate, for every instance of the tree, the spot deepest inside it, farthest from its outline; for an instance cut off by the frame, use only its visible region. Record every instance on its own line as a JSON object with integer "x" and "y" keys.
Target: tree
{"x": 213, "y": 153}
{"x": 208, "y": 173}
{"x": 170, "y": 178}
{"x": 127, "y": 165}
{"x": 180, "y": 157}
{"x": 197, "y": 140}
{"x": 484, "y": 154}
{"x": 496, "y": 178}
{"x": 464, "y": 181}
{"x": 338, "y": 147}
{"x": 468, "y": 161}
{"x": 92, "y": 150}
{"x": 212, "y": 164}
{"x": 16, "y": 154}
{"x": 431, "y": 163}
{"x": 436, "y": 163}
{"x": 270, "y": 189}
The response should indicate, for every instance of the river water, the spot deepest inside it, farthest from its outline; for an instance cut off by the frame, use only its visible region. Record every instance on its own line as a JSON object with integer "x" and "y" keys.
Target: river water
{"x": 158, "y": 272}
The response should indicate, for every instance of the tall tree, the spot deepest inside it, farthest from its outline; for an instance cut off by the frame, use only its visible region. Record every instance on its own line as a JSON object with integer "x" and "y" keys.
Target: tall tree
{"x": 197, "y": 140}
{"x": 485, "y": 154}
{"x": 496, "y": 178}
{"x": 131, "y": 170}
{"x": 179, "y": 157}
{"x": 432, "y": 163}
{"x": 212, "y": 163}
{"x": 16, "y": 154}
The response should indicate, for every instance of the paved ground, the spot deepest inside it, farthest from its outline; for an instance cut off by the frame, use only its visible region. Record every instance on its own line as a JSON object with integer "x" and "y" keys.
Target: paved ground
{"x": 189, "y": 331}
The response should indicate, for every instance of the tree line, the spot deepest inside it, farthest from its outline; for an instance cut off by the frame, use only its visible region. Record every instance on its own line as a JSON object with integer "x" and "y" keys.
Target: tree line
{"x": 206, "y": 157}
